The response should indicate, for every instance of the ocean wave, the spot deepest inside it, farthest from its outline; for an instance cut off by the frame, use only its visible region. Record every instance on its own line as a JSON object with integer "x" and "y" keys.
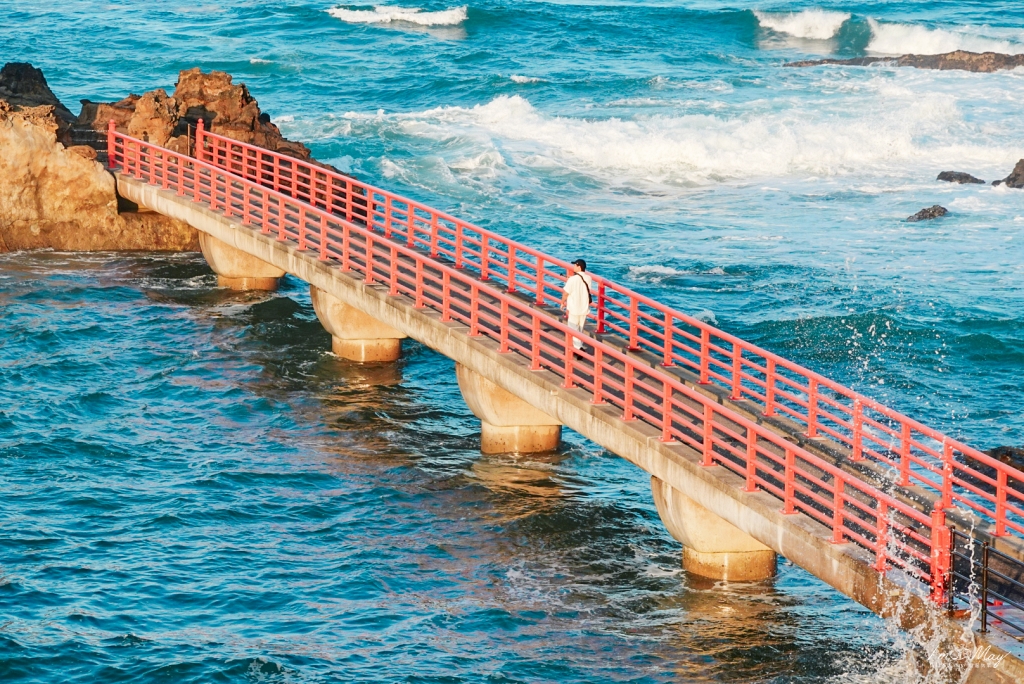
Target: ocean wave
{"x": 516, "y": 78}
{"x": 816, "y": 24}
{"x": 909, "y": 39}
{"x": 385, "y": 14}
{"x": 702, "y": 148}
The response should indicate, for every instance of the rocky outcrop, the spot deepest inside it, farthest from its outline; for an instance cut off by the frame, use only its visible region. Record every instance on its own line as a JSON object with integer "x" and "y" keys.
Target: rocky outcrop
{"x": 1016, "y": 177}
{"x": 984, "y": 62}
{"x": 931, "y": 212}
{"x": 226, "y": 108}
{"x": 52, "y": 196}
{"x": 958, "y": 177}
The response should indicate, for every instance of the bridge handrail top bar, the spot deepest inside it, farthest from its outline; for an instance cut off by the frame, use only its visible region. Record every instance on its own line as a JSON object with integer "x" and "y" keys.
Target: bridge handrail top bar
{"x": 606, "y": 349}
{"x": 779, "y": 361}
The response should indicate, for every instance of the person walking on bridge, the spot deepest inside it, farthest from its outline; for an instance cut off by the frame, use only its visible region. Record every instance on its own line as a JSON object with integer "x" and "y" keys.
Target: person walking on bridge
{"x": 577, "y": 298}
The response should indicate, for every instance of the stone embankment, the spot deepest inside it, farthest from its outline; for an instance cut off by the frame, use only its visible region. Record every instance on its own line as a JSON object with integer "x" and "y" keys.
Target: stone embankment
{"x": 54, "y": 190}
{"x": 962, "y": 60}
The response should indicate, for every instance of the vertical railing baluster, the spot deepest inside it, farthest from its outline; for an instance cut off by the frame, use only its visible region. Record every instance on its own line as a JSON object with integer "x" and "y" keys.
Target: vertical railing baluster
{"x": 394, "y": 271}
{"x": 812, "y": 408}
{"x": 503, "y": 348}
{"x": 539, "y": 298}
{"x": 858, "y": 430}
{"x": 534, "y": 342}
{"x": 905, "y": 454}
{"x": 708, "y": 442}
{"x": 598, "y": 375}
{"x": 670, "y": 335}
{"x": 838, "y": 506}
{"x": 666, "y": 411}
{"x": 789, "y": 496}
{"x": 737, "y": 372}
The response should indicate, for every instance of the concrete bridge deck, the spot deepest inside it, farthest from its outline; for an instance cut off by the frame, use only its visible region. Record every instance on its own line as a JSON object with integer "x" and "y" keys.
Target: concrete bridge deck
{"x": 721, "y": 471}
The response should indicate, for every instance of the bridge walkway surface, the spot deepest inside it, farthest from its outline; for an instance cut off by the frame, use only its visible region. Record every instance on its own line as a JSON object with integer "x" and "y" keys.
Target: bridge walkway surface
{"x": 853, "y": 491}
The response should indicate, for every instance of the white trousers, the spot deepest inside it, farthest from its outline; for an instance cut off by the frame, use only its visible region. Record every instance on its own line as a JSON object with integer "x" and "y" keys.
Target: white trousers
{"x": 576, "y": 322}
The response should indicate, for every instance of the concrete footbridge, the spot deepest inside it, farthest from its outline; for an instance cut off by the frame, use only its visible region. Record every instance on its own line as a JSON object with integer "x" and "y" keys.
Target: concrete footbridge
{"x": 750, "y": 455}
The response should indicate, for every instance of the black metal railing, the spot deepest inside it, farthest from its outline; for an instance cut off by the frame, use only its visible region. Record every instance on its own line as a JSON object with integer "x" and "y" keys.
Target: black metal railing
{"x": 983, "y": 576}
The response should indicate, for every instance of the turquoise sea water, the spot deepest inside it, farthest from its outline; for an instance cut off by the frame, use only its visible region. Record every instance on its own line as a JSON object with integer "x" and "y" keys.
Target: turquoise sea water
{"x": 193, "y": 489}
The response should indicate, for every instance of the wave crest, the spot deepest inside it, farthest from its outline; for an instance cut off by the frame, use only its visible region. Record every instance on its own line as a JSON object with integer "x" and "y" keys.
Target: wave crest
{"x": 908, "y": 39}
{"x": 384, "y": 14}
{"x": 816, "y": 24}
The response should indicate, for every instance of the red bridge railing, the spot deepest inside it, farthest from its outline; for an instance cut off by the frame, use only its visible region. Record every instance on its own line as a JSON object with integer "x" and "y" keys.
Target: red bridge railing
{"x": 893, "y": 533}
{"x": 814, "y": 405}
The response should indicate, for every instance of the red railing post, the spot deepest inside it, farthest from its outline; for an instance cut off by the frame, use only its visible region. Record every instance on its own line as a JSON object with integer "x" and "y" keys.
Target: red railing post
{"x": 540, "y": 282}
{"x": 111, "y": 146}
{"x": 634, "y": 325}
{"x": 1001, "y": 502}
{"x": 600, "y": 307}
{"x": 446, "y": 297}
{"x": 511, "y": 269}
{"x": 503, "y": 348}
{"x": 388, "y": 216}
{"x": 484, "y": 258}
{"x": 947, "y": 473}
{"x": 433, "y": 234}
{"x": 410, "y": 218}
{"x": 598, "y": 368}
{"x": 751, "y": 465}
{"x": 940, "y": 556}
{"x": 708, "y": 442}
{"x": 905, "y": 454}
{"x": 789, "y": 497}
{"x": 419, "y": 284}
{"x": 200, "y": 145}
{"x": 534, "y": 342}
{"x": 369, "y": 259}
{"x": 302, "y": 227}
{"x": 323, "y": 238}
{"x": 567, "y": 360}
{"x": 812, "y": 408}
{"x": 627, "y": 395}
{"x": 458, "y": 245}
{"x": 346, "y": 247}
{"x": 769, "y": 389}
{"x": 394, "y": 273}
{"x": 838, "y": 512}
{"x": 669, "y": 340}
{"x": 858, "y": 430}
{"x": 474, "y": 310}
{"x": 737, "y": 377}
{"x": 666, "y": 411}
{"x": 881, "y": 537}
{"x": 705, "y": 354}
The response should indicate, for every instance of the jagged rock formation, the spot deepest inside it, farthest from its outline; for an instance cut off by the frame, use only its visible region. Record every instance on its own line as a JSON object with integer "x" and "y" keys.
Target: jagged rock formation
{"x": 57, "y": 195}
{"x": 165, "y": 120}
{"x": 958, "y": 177}
{"x": 1016, "y": 177}
{"x": 931, "y": 212}
{"x": 984, "y": 62}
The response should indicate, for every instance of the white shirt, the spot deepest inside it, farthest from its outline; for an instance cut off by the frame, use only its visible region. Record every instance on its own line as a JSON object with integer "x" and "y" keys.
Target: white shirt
{"x": 577, "y": 286}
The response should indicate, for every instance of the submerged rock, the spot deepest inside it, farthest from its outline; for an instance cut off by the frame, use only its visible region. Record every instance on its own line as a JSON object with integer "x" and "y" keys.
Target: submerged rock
{"x": 931, "y": 212}
{"x": 1011, "y": 455}
{"x": 1016, "y": 177}
{"x": 958, "y": 177}
{"x": 983, "y": 62}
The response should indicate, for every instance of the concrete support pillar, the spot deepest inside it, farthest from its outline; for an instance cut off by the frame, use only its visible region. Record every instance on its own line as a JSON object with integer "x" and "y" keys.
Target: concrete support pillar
{"x": 711, "y": 546}
{"x": 508, "y": 424}
{"x": 237, "y": 269}
{"x": 355, "y": 335}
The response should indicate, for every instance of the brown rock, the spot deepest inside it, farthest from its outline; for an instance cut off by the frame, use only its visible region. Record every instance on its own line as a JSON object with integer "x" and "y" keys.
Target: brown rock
{"x": 83, "y": 151}
{"x": 22, "y": 85}
{"x": 983, "y": 62}
{"x": 1016, "y": 177}
{"x": 54, "y": 197}
{"x": 958, "y": 177}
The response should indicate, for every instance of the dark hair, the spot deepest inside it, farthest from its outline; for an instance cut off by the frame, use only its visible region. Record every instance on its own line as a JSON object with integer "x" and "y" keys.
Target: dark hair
{"x": 581, "y": 263}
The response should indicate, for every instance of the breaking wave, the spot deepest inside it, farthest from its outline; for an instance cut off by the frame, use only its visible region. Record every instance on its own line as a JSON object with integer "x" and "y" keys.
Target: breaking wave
{"x": 385, "y": 14}
{"x": 909, "y": 39}
{"x": 708, "y": 148}
{"x": 816, "y": 24}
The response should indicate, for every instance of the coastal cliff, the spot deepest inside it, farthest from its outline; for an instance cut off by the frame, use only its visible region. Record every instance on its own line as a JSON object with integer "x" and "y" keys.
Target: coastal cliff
{"x": 54, "y": 189}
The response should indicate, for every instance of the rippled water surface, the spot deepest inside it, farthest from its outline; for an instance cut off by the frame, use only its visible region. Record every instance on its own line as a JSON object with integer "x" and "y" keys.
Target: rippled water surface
{"x": 194, "y": 489}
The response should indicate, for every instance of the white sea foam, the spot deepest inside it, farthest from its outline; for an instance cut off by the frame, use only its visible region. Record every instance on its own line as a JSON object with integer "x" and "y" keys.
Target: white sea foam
{"x": 816, "y": 24}
{"x": 385, "y": 14}
{"x": 257, "y": 60}
{"x": 516, "y": 78}
{"x": 909, "y": 39}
